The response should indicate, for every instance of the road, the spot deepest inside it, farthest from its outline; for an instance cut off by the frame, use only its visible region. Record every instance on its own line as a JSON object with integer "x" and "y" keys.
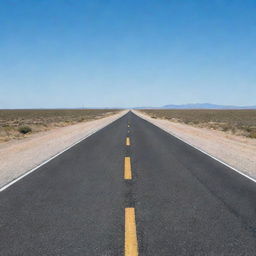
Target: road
{"x": 130, "y": 189}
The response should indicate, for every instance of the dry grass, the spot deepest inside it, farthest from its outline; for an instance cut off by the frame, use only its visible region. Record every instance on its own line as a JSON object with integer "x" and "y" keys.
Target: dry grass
{"x": 239, "y": 122}
{"x": 13, "y": 122}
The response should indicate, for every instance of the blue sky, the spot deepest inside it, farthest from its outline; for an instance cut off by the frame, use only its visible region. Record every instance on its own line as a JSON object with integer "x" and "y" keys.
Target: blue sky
{"x": 66, "y": 53}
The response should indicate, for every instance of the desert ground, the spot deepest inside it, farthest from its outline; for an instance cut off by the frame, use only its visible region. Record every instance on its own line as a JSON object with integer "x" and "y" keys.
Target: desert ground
{"x": 237, "y": 122}
{"x": 21, "y": 123}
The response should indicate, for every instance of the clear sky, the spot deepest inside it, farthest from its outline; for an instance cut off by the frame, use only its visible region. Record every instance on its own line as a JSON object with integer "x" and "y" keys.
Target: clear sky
{"x": 74, "y": 53}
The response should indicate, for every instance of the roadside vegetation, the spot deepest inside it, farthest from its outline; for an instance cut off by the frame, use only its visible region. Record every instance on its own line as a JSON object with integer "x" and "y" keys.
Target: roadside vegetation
{"x": 16, "y": 124}
{"x": 238, "y": 122}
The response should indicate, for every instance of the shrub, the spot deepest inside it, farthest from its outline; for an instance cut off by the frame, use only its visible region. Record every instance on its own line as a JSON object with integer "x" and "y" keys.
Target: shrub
{"x": 25, "y": 129}
{"x": 225, "y": 128}
{"x": 248, "y": 129}
{"x": 82, "y": 119}
{"x": 252, "y": 134}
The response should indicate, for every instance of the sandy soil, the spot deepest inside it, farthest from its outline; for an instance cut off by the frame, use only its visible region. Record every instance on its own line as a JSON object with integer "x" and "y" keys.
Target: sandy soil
{"x": 237, "y": 151}
{"x": 19, "y": 156}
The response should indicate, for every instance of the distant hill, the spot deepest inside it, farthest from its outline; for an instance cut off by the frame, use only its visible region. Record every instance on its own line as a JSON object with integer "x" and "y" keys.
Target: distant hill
{"x": 146, "y": 107}
{"x": 206, "y": 106}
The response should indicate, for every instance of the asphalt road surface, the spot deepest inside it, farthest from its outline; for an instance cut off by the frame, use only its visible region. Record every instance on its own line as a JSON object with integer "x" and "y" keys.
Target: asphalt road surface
{"x": 130, "y": 189}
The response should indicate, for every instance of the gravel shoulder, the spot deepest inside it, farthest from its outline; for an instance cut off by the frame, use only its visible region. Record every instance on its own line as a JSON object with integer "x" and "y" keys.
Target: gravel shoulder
{"x": 237, "y": 151}
{"x": 19, "y": 156}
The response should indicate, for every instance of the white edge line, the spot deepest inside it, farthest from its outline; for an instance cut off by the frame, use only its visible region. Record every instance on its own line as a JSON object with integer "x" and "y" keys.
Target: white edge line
{"x": 215, "y": 158}
{"x": 48, "y": 160}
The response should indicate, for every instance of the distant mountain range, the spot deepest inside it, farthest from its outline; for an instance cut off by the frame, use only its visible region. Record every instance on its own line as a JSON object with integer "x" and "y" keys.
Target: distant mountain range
{"x": 199, "y": 106}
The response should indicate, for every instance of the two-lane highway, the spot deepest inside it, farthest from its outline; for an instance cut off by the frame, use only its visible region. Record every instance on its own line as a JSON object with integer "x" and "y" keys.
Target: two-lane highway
{"x": 130, "y": 189}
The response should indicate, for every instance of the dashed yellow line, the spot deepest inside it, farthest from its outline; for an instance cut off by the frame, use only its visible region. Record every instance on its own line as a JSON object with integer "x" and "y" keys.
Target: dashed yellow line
{"x": 127, "y": 168}
{"x": 131, "y": 242}
{"x": 128, "y": 142}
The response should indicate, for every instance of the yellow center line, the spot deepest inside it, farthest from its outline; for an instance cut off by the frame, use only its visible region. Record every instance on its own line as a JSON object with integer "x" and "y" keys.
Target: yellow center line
{"x": 131, "y": 242}
{"x": 128, "y": 142}
{"x": 127, "y": 168}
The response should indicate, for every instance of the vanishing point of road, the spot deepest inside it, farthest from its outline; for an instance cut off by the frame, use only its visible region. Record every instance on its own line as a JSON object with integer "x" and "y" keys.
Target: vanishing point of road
{"x": 130, "y": 189}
